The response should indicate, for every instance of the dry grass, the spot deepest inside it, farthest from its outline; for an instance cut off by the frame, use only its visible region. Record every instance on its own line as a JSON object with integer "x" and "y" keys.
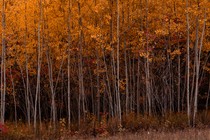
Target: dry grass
{"x": 173, "y": 127}
{"x": 186, "y": 134}
{"x": 190, "y": 134}
{"x": 180, "y": 135}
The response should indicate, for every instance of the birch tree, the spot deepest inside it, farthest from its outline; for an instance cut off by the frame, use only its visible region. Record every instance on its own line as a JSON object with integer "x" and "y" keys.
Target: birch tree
{"x": 188, "y": 64}
{"x": 3, "y": 63}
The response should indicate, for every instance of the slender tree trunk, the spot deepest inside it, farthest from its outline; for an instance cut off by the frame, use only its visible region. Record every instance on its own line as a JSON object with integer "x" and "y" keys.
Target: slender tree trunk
{"x": 188, "y": 65}
{"x": 170, "y": 72}
{"x": 196, "y": 71}
{"x": 118, "y": 63}
{"x": 134, "y": 84}
{"x": 179, "y": 82}
{"x": 138, "y": 65}
{"x": 98, "y": 99}
{"x": 50, "y": 71}
{"x": 80, "y": 66}
{"x": 38, "y": 65}
{"x": 147, "y": 70}
{"x": 3, "y": 64}
{"x": 53, "y": 86}
{"x": 98, "y": 85}
{"x": 126, "y": 79}
{"x": 69, "y": 67}
{"x": 26, "y": 67}
{"x": 138, "y": 88}
{"x": 197, "y": 63}
{"x": 178, "y": 69}
{"x": 111, "y": 109}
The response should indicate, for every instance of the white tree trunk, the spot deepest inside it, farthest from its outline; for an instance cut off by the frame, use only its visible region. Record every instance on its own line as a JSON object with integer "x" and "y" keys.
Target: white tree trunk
{"x": 188, "y": 65}
{"x": 3, "y": 64}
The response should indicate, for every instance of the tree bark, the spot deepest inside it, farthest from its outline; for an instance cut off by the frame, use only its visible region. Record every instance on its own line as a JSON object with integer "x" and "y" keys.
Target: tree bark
{"x": 118, "y": 63}
{"x": 39, "y": 59}
{"x": 188, "y": 65}
{"x": 3, "y": 64}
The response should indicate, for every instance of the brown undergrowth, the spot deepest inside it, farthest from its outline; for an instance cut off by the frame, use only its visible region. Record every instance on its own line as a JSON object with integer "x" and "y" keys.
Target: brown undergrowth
{"x": 105, "y": 127}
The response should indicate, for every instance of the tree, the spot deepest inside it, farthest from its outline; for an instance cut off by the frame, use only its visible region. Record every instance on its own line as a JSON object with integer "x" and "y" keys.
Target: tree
{"x": 188, "y": 64}
{"x": 3, "y": 63}
{"x": 39, "y": 60}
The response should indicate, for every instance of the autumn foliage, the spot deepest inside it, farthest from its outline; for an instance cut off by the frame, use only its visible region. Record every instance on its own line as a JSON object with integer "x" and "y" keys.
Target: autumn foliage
{"x": 67, "y": 62}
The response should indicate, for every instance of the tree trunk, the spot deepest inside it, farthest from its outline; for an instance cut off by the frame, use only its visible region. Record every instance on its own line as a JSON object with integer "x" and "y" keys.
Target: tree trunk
{"x": 118, "y": 63}
{"x": 197, "y": 63}
{"x": 188, "y": 65}
{"x": 148, "y": 87}
{"x": 26, "y": 67}
{"x": 3, "y": 64}
{"x": 39, "y": 59}
{"x": 80, "y": 66}
{"x": 69, "y": 67}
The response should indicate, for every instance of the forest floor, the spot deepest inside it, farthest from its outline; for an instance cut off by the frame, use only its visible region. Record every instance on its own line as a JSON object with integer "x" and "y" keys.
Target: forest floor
{"x": 185, "y": 134}
{"x": 188, "y": 134}
{"x": 191, "y": 134}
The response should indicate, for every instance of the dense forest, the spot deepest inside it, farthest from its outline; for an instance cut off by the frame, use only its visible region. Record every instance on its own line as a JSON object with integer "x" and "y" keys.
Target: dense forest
{"x": 82, "y": 60}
